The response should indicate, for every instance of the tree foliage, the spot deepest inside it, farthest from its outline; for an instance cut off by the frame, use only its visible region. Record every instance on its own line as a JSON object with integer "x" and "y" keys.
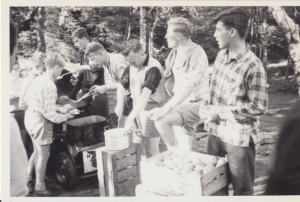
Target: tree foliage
{"x": 111, "y": 26}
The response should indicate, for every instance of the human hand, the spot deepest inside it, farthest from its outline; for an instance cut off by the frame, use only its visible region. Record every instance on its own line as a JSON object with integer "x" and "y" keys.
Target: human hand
{"x": 61, "y": 110}
{"x": 119, "y": 110}
{"x": 129, "y": 126}
{"x": 167, "y": 73}
{"x": 75, "y": 69}
{"x": 100, "y": 89}
{"x": 209, "y": 113}
{"x": 70, "y": 115}
{"x": 157, "y": 113}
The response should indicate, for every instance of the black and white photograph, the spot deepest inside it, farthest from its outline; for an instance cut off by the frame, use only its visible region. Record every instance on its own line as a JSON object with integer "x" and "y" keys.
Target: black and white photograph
{"x": 151, "y": 100}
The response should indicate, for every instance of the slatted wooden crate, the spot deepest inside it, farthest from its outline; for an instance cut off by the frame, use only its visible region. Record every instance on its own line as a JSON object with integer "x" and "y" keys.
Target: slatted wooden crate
{"x": 143, "y": 190}
{"x": 121, "y": 171}
{"x": 184, "y": 183}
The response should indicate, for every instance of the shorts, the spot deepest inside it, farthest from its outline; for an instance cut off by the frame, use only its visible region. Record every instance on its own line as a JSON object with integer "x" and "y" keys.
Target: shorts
{"x": 146, "y": 125}
{"x": 39, "y": 128}
{"x": 189, "y": 113}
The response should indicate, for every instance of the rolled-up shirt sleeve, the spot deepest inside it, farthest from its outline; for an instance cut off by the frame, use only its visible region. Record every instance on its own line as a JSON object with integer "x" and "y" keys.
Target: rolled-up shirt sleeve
{"x": 125, "y": 78}
{"x": 152, "y": 79}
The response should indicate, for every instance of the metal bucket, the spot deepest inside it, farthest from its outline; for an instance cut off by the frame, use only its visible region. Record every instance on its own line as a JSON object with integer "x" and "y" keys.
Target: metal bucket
{"x": 117, "y": 139}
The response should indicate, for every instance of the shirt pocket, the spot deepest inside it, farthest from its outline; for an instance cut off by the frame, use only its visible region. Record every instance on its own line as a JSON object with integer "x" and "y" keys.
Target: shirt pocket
{"x": 229, "y": 91}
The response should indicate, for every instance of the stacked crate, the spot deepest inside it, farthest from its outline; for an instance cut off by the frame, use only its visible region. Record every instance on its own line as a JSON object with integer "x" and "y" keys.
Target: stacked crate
{"x": 121, "y": 171}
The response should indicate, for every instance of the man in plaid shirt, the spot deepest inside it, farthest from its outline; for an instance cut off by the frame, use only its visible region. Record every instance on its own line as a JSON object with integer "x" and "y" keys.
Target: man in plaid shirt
{"x": 237, "y": 98}
{"x": 39, "y": 116}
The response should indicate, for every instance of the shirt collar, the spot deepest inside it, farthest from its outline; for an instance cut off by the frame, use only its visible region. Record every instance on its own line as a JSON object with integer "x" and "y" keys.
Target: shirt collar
{"x": 186, "y": 47}
{"x": 33, "y": 74}
{"x": 237, "y": 56}
{"x": 146, "y": 62}
{"x": 48, "y": 76}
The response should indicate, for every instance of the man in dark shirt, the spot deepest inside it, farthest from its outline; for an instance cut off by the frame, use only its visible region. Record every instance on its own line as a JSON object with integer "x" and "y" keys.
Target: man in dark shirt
{"x": 98, "y": 103}
{"x": 65, "y": 87}
{"x": 144, "y": 79}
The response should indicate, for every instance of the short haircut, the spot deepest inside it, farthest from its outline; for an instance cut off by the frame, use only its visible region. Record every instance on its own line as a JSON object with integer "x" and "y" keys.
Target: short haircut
{"x": 133, "y": 45}
{"x": 53, "y": 59}
{"x": 236, "y": 18}
{"x": 182, "y": 26}
{"x": 80, "y": 33}
{"x": 94, "y": 47}
{"x": 39, "y": 57}
{"x": 13, "y": 36}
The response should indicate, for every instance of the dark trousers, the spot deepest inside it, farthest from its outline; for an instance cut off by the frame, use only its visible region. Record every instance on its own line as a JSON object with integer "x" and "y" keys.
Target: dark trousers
{"x": 19, "y": 116}
{"x": 241, "y": 163}
{"x": 101, "y": 108}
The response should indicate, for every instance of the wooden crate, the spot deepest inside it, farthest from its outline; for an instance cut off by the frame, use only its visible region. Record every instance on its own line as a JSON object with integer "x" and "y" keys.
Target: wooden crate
{"x": 121, "y": 171}
{"x": 143, "y": 190}
{"x": 184, "y": 183}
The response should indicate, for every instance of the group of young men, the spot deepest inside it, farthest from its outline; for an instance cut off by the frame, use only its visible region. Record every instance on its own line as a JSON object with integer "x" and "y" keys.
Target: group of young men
{"x": 229, "y": 101}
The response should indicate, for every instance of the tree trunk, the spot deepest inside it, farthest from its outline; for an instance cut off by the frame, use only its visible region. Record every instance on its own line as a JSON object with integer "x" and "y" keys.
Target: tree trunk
{"x": 291, "y": 30}
{"x": 41, "y": 29}
{"x": 251, "y": 26}
{"x": 129, "y": 25}
{"x": 264, "y": 39}
{"x": 143, "y": 28}
{"x": 256, "y": 31}
{"x": 151, "y": 34}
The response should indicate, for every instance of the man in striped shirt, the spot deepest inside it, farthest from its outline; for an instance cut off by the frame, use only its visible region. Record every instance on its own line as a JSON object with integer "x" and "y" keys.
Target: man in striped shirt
{"x": 237, "y": 98}
{"x": 39, "y": 117}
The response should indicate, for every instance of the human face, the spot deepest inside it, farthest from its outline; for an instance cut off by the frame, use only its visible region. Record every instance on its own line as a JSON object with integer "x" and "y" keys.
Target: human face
{"x": 136, "y": 59}
{"x": 172, "y": 37}
{"x": 223, "y": 35}
{"x": 57, "y": 71}
{"x": 16, "y": 67}
{"x": 97, "y": 58}
{"x": 40, "y": 67}
{"x": 80, "y": 43}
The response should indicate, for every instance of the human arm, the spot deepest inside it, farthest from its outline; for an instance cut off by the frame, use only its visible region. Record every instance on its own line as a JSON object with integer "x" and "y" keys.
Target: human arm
{"x": 139, "y": 106}
{"x": 257, "y": 97}
{"x": 122, "y": 86}
{"x": 151, "y": 82}
{"x": 117, "y": 70}
{"x": 109, "y": 84}
{"x": 49, "y": 96}
{"x": 120, "y": 100}
{"x": 194, "y": 70}
{"x": 253, "y": 104}
{"x": 177, "y": 99}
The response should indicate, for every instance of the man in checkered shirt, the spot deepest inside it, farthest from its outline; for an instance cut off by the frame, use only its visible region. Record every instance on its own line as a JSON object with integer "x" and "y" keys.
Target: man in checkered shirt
{"x": 237, "y": 98}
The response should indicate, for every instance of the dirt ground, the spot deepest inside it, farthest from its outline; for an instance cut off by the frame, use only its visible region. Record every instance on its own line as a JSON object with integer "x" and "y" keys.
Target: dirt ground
{"x": 282, "y": 95}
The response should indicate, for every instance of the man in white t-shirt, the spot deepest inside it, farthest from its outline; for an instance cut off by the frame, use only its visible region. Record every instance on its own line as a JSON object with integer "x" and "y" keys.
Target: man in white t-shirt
{"x": 188, "y": 64}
